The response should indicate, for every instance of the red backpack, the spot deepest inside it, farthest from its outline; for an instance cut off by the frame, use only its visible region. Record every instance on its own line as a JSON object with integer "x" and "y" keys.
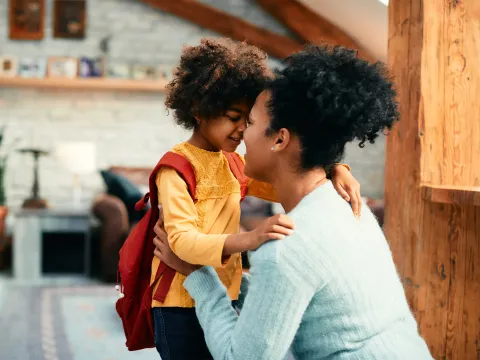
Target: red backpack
{"x": 136, "y": 255}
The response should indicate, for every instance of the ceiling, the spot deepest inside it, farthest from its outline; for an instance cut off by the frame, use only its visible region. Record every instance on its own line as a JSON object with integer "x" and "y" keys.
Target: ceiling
{"x": 366, "y": 21}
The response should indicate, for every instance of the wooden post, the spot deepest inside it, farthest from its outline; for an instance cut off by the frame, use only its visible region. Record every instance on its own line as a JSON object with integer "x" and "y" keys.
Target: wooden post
{"x": 432, "y": 178}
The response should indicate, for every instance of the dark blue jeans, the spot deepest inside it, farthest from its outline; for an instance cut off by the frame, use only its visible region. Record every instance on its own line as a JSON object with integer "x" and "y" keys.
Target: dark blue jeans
{"x": 178, "y": 334}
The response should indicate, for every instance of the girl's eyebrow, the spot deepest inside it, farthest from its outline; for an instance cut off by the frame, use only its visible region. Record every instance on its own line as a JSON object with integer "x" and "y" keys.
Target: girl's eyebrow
{"x": 235, "y": 109}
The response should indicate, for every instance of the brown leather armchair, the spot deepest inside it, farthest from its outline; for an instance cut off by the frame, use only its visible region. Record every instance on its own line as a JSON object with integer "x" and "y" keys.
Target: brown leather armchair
{"x": 114, "y": 224}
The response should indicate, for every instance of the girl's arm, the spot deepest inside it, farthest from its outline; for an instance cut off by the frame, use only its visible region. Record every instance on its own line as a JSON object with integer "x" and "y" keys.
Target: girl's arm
{"x": 180, "y": 217}
{"x": 343, "y": 181}
{"x": 191, "y": 245}
{"x": 266, "y": 191}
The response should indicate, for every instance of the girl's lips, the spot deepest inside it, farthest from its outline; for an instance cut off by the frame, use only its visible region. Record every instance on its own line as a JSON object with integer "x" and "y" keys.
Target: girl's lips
{"x": 236, "y": 140}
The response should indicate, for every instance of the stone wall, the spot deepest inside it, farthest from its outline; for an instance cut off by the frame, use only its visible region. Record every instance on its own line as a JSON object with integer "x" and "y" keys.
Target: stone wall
{"x": 132, "y": 129}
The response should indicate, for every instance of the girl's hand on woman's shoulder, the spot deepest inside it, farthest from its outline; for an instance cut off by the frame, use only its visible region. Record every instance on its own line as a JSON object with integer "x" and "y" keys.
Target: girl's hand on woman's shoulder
{"x": 347, "y": 187}
{"x": 273, "y": 228}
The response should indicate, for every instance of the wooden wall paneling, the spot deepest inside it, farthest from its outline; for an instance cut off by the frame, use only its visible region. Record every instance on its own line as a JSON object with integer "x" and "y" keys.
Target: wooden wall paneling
{"x": 433, "y": 155}
{"x": 310, "y": 26}
{"x": 211, "y": 18}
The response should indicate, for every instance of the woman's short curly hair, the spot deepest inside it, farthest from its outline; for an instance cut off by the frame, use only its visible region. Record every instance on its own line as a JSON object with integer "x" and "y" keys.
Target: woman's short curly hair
{"x": 214, "y": 75}
{"x": 328, "y": 96}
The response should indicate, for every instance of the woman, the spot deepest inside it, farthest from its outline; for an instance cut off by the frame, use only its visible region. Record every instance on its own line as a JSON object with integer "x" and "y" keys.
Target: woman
{"x": 331, "y": 289}
{"x": 230, "y": 75}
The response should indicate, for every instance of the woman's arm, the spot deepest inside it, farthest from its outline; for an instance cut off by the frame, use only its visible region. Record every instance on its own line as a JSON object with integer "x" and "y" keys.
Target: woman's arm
{"x": 270, "y": 317}
{"x": 245, "y": 284}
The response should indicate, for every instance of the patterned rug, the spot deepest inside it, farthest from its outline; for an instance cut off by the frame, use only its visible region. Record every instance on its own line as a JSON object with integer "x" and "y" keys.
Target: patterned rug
{"x": 63, "y": 323}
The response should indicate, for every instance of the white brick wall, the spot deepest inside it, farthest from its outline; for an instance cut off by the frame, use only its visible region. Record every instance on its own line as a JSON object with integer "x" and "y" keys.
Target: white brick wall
{"x": 128, "y": 128}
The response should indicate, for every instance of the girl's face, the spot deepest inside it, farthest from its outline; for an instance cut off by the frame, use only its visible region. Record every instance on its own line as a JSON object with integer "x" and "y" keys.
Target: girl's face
{"x": 260, "y": 158}
{"x": 225, "y": 132}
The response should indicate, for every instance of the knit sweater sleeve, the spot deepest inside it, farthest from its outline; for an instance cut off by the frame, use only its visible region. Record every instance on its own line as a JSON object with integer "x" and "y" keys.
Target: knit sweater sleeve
{"x": 243, "y": 290}
{"x": 270, "y": 317}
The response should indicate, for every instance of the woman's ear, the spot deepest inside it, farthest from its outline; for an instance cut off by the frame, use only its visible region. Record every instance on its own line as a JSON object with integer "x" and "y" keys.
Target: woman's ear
{"x": 282, "y": 139}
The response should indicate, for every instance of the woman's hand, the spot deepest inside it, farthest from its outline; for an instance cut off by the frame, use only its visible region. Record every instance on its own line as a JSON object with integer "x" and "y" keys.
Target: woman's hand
{"x": 165, "y": 254}
{"x": 348, "y": 187}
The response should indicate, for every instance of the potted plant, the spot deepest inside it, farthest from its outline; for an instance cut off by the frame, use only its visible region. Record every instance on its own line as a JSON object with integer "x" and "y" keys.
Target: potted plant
{"x": 4, "y": 153}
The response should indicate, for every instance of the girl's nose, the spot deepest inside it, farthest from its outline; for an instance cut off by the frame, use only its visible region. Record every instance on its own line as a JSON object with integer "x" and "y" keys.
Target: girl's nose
{"x": 242, "y": 125}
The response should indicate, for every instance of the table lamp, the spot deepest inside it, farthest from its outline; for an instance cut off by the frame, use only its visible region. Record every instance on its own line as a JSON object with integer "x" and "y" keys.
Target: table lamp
{"x": 79, "y": 158}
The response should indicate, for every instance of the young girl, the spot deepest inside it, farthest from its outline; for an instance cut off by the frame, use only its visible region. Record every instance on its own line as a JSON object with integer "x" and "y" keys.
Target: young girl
{"x": 213, "y": 90}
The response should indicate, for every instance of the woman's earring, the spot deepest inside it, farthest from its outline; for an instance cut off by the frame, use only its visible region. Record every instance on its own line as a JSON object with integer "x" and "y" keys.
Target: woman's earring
{"x": 273, "y": 148}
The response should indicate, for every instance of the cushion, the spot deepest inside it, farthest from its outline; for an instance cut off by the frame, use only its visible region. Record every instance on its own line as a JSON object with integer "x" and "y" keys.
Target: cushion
{"x": 119, "y": 186}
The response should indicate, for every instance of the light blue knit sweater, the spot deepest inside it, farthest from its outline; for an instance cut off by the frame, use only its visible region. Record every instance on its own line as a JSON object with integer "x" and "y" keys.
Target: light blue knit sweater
{"x": 330, "y": 291}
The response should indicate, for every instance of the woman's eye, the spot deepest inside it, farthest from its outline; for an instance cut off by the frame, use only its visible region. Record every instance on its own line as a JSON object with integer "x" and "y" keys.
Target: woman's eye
{"x": 234, "y": 118}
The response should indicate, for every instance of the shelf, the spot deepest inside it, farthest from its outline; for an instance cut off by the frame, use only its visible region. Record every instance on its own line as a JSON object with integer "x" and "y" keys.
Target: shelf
{"x": 451, "y": 194}
{"x": 85, "y": 83}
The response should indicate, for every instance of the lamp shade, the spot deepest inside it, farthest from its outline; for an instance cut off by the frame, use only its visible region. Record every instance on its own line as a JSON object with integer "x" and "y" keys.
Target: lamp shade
{"x": 77, "y": 156}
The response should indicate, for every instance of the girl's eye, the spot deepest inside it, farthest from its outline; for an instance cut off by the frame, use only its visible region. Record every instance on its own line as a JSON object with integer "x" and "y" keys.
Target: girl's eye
{"x": 234, "y": 118}
{"x": 249, "y": 122}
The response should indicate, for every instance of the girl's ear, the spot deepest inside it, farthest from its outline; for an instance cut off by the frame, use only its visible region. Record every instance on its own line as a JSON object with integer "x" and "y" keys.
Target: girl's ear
{"x": 198, "y": 120}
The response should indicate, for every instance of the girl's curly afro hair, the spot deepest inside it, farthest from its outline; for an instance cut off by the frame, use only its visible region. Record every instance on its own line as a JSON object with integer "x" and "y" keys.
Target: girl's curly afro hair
{"x": 328, "y": 97}
{"x": 214, "y": 75}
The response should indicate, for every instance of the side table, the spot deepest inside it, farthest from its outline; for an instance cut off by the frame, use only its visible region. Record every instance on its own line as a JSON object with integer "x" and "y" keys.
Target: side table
{"x": 29, "y": 227}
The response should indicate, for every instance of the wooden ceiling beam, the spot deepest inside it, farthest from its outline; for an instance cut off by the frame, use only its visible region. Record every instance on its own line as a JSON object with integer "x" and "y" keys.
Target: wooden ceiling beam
{"x": 310, "y": 26}
{"x": 228, "y": 25}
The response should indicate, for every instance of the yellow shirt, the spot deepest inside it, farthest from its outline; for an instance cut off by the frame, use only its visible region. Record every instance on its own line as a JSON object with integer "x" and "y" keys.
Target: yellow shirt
{"x": 197, "y": 231}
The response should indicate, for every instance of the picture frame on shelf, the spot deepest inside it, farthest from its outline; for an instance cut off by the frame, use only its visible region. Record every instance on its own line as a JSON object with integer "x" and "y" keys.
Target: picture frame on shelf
{"x": 32, "y": 68}
{"x": 164, "y": 72}
{"x": 69, "y": 19}
{"x": 8, "y": 66}
{"x": 62, "y": 67}
{"x": 98, "y": 66}
{"x": 90, "y": 67}
{"x": 26, "y": 19}
{"x": 118, "y": 71}
{"x": 144, "y": 72}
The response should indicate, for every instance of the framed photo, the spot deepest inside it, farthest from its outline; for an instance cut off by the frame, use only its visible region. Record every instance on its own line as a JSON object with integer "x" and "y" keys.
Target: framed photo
{"x": 62, "y": 67}
{"x": 69, "y": 19}
{"x": 88, "y": 67}
{"x": 26, "y": 19}
{"x": 165, "y": 72}
{"x": 144, "y": 72}
{"x": 118, "y": 71}
{"x": 32, "y": 68}
{"x": 8, "y": 66}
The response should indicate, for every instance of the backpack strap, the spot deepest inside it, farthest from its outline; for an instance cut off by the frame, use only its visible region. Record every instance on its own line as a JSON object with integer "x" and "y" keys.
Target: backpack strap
{"x": 179, "y": 164}
{"x": 237, "y": 167}
{"x": 183, "y": 167}
{"x": 186, "y": 171}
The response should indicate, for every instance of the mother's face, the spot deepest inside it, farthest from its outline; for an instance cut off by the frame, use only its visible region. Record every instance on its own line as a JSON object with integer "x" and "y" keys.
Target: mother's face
{"x": 260, "y": 159}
